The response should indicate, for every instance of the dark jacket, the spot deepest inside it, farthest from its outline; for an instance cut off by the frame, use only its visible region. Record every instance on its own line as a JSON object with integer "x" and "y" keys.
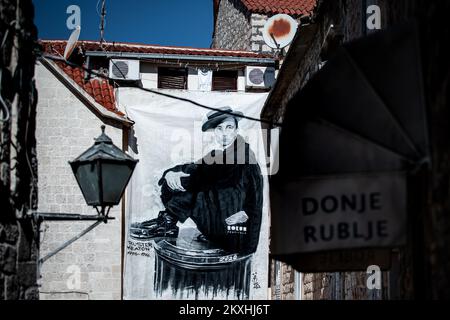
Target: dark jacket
{"x": 221, "y": 184}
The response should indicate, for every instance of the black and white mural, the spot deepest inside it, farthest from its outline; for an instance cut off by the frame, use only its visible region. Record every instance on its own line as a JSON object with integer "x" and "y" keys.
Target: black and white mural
{"x": 197, "y": 205}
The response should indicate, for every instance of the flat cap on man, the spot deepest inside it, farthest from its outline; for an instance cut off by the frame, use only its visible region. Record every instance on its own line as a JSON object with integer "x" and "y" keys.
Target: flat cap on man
{"x": 215, "y": 117}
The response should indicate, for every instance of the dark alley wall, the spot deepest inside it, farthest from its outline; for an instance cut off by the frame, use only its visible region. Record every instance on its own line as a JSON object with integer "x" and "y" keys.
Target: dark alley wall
{"x": 18, "y": 165}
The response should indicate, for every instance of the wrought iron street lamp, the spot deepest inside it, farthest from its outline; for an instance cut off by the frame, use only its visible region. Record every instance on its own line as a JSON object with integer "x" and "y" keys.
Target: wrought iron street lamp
{"x": 102, "y": 172}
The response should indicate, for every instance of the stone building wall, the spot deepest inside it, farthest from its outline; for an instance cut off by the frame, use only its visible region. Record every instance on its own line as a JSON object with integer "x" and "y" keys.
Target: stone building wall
{"x": 90, "y": 268}
{"x": 307, "y": 286}
{"x": 19, "y": 243}
{"x": 351, "y": 17}
{"x": 233, "y": 29}
{"x": 288, "y": 283}
{"x": 282, "y": 281}
{"x": 18, "y": 261}
{"x": 429, "y": 259}
{"x": 238, "y": 29}
{"x": 425, "y": 264}
{"x": 335, "y": 285}
{"x": 347, "y": 18}
{"x": 420, "y": 270}
{"x": 257, "y": 43}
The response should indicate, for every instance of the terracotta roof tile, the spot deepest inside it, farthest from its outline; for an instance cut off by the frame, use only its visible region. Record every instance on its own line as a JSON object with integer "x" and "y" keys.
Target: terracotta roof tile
{"x": 57, "y": 46}
{"x": 293, "y": 7}
{"x": 101, "y": 90}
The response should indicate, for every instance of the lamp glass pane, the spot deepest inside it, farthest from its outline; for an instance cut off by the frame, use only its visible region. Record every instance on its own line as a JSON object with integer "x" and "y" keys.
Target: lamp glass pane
{"x": 87, "y": 177}
{"x": 115, "y": 177}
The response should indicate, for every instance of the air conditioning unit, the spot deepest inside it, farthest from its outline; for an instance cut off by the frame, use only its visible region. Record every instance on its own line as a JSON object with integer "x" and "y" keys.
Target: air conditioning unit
{"x": 259, "y": 77}
{"x": 124, "y": 69}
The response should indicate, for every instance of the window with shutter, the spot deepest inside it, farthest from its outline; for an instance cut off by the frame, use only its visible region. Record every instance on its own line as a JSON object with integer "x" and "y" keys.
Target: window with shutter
{"x": 172, "y": 78}
{"x": 224, "y": 80}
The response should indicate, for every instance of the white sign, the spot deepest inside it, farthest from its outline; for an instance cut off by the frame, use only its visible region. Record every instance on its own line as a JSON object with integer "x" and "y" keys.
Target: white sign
{"x": 355, "y": 211}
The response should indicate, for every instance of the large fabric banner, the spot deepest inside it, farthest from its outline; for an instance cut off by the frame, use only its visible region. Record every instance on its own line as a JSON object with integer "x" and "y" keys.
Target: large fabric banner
{"x": 197, "y": 204}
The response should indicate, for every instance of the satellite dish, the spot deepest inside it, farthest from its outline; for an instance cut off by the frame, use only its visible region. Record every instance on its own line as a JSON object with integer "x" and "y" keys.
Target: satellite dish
{"x": 72, "y": 42}
{"x": 279, "y": 31}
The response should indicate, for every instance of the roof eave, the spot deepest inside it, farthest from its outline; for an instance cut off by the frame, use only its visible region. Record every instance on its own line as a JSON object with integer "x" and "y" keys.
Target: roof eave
{"x": 107, "y": 116}
{"x": 185, "y": 57}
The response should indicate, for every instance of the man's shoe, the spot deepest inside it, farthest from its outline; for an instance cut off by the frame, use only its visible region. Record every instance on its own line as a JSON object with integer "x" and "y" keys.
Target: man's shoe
{"x": 149, "y": 223}
{"x": 165, "y": 226}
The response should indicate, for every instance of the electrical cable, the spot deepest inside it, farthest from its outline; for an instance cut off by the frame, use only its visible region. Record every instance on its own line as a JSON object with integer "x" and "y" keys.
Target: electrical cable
{"x": 5, "y": 36}
{"x": 90, "y": 71}
{"x": 102, "y": 34}
{"x": 5, "y": 110}
{"x": 3, "y": 104}
{"x": 30, "y": 167}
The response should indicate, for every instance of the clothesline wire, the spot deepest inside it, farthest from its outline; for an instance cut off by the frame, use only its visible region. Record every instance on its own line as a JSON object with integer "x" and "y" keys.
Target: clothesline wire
{"x": 93, "y": 72}
{"x": 5, "y": 110}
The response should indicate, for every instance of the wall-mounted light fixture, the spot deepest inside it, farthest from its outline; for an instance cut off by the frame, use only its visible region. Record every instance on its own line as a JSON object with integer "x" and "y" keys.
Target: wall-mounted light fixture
{"x": 102, "y": 172}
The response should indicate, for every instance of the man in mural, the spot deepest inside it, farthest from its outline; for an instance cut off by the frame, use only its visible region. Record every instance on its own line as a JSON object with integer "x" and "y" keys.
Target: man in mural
{"x": 222, "y": 192}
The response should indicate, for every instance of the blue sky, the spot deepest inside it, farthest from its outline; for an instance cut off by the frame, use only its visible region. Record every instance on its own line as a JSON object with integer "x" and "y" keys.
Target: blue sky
{"x": 163, "y": 22}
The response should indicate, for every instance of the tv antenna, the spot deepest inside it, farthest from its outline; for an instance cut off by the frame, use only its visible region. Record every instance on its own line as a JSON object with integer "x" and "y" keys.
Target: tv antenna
{"x": 102, "y": 23}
